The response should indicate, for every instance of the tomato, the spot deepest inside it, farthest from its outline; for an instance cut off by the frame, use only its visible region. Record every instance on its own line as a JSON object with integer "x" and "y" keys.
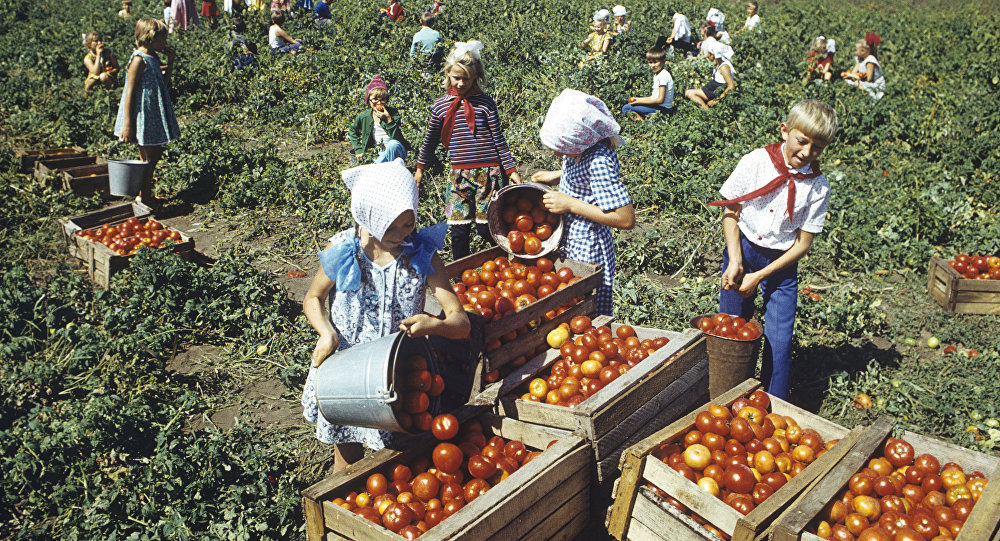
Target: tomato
{"x": 481, "y": 467}
{"x": 738, "y": 478}
{"x": 565, "y": 274}
{"x": 447, "y": 457}
{"x": 862, "y": 402}
{"x": 445, "y": 426}
{"x": 515, "y": 451}
{"x": 898, "y": 452}
{"x": 697, "y": 456}
{"x": 437, "y": 385}
{"x": 475, "y": 488}
{"x": 524, "y": 223}
{"x": 580, "y": 324}
{"x": 397, "y": 516}
{"x": 516, "y": 240}
{"x": 538, "y": 387}
{"x": 415, "y": 402}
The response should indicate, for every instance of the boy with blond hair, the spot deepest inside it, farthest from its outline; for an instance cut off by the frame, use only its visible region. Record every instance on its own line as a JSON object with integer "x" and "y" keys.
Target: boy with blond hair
{"x": 776, "y": 203}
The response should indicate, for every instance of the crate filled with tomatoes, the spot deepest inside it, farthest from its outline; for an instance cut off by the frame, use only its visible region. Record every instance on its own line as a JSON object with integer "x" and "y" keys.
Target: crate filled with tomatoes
{"x": 966, "y": 284}
{"x": 513, "y": 304}
{"x": 909, "y": 488}
{"x": 106, "y": 239}
{"x": 484, "y": 478}
{"x": 612, "y": 384}
{"x": 726, "y": 470}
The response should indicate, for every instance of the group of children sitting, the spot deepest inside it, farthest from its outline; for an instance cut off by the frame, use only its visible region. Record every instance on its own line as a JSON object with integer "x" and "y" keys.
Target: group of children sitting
{"x": 866, "y": 73}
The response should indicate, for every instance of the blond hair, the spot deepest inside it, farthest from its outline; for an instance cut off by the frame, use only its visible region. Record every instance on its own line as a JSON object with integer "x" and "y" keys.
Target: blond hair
{"x": 147, "y": 30}
{"x": 90, "y": 38}
{"x": 814, "y": 118}
{"x": 468, "y": 63}
{"x": 378, "y": 93}
{"x": 819, "y": 45}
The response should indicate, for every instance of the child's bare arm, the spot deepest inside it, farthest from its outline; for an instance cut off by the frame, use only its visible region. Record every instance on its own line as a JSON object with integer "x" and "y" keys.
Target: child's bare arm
{"x": 661, "y": 97}
{"x": 455, "y": 323}
{"x": 135, "y": 69}
{"x": 93, "y": 66}
{"x": 732, "y": 275}
{"x": 313, "y": 307}
{"x": 803, "y": 241}
{"x": 547, "y": 177}
{"x": 560, "y": 203}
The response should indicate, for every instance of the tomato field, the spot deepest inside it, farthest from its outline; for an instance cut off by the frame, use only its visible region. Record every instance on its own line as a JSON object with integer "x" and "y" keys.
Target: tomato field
{"x": 165, "y": 406}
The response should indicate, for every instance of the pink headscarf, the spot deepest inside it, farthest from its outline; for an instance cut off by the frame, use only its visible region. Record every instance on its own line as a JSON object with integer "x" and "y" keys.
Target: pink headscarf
{"x": 577, "y": 121}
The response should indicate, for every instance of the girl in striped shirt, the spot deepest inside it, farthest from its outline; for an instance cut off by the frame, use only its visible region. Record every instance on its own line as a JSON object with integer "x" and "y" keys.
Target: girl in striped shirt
{"x": 466, "y": 122}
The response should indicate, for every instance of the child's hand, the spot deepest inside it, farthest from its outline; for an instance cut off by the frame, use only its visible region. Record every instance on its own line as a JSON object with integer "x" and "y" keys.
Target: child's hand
{"x": 419, "y": 174}
{"x": 558, "y": 202}
{"x": 324, "y": 348}
{"x": 359, "y": 157}
{"x": 419, "y": 325}
{"x": 749, "y": 286}
{"x": 127, "y": 135}
{"x": 733, "y": 276}
{"x": 515, "y": 178}
{"x": 632, "y": 99}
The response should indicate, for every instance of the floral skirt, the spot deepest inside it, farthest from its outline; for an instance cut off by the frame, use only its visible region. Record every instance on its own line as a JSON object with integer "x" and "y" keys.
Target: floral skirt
{"x": 471, "y": 190}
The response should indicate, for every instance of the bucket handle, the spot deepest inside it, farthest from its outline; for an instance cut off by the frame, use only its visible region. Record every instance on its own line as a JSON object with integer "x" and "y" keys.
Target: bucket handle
{"x": 386, "y": 396}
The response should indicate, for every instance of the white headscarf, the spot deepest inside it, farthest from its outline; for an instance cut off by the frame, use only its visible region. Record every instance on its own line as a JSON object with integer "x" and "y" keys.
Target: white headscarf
{"x": 721, "y": 50}
{"x": 380, "y": 192}
{"x": 577, "y": 121}
{"x": 602, "y": 15}
{"x": 619, "y": 11}
{"x": 462, "y": 47}
{"x": 831, "y": 46}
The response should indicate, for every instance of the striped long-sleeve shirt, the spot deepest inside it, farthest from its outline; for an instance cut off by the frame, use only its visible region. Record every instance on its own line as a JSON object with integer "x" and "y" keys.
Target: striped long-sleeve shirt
{"x": 486, "y": 148}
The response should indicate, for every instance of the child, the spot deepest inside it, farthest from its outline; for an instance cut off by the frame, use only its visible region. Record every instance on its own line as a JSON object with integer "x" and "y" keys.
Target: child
{"x": 662, "y": 98}
{"x": 244, "y": 51}
{"x": 753, "y": 19}
{"x": 591, "y": 197}
{"x": 102, "y": 66}
{"x": 709, "y": 38}
{"x": 378, "y": 125}
{"x": 466, "y": 122}
{"x": 278, "y": 39}
{"x": 436, "y": 8}
{"x": 167, "y": 16}
{"x": 622, "y": 24}
{"x": 394, "y": 12}
{"x": 716, "y": 18}
{"x": 321, "y": 13}
{"x": 145, "y": 113}
{"x": 680, "y": 37}
{"x": 126, "y": 10}
{"x": 428, "y": 39}
{"x": 375, "y": 278}
{"x": 820, "y": 59}
{"x": 867, "y": 72}
{"x": 763, "y": 246}
{"x": 210, "y": 11}
{"x": 183, "y": 13}
{"x": 723, "y": 75}
{"x": 598, "y": 41}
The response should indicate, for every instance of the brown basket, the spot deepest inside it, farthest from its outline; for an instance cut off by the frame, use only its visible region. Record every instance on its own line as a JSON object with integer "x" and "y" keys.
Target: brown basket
{"x": 730, "y": 361}
{"x": 506, "y": 196}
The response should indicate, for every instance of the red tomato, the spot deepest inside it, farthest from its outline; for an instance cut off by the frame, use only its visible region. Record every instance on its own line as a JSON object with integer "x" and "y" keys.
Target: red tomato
{"x": 481, "y": 467}
{"x": 532, "y": 245}
{"x": 524, "y": 223}
{"x": 447, "y": 457}
{"x": 543, "y": 231}
{"x": 565, "y": 274}
{"x": 516, "y": 240}
{"x": 445, "y": 427}
{"x": 397, "y": 516}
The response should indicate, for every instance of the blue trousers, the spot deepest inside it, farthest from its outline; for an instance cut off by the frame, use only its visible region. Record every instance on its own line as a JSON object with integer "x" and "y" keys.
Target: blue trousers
{"x": 644, "y": 110}
{"x": 780, "y": 291}
{"x": 393, "y": 149}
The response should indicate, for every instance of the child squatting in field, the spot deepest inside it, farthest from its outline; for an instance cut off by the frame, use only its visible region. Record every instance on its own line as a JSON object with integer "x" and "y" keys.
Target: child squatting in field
{"x": 591, "y": 197}
{"x": 102, "y": 66}
{"x": 380, "y": 124}
{"x": 723, "y": 76}
{"x": 661, "y": 100}
{"x": 145, "y": 112}
{"x": 381, "y": 262}
{"x": 776, "y": 203}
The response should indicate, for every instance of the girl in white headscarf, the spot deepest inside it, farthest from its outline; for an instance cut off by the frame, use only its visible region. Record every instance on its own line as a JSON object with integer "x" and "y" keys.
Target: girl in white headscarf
{"x": 723, "y": 77}
{"x": 373, "y": 282}
{"x": 591, "y": 197}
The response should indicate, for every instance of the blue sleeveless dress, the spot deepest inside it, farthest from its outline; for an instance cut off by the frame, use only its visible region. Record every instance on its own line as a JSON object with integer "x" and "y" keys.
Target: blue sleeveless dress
{"x": 155, "y": 123}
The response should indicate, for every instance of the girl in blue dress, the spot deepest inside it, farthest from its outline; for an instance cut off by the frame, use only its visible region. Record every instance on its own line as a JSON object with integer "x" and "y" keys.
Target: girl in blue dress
{"x": 145, "y": 112}
{"x": 580, "y": 129}
{"x": 373, "y": 283}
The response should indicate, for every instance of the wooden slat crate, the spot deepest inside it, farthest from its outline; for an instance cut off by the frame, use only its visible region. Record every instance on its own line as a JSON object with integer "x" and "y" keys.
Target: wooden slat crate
{"x": 639, "y": 467}
{"x": 29, "y": 157}
{"x": 960, "y": 295}
{"x": 100, "y": 262}
{"x": 981, "y": 524}
{"x": 524, "y": 506}
{"x": 47, "y": 167}
{"x": 86, "y": 179}
{"x": 651, "y": 395}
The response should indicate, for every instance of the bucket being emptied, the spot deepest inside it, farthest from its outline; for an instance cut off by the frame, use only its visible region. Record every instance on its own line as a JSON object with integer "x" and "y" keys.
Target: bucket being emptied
{"x": 730, "y": 361}
{"x": 368, "y": 384}
{"x": 125, "y": 176}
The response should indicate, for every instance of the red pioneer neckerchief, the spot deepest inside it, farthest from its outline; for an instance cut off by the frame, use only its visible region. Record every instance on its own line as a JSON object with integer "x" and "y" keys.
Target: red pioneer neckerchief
{"x": 449, "y": 118}
{"x": 778, "y": 160}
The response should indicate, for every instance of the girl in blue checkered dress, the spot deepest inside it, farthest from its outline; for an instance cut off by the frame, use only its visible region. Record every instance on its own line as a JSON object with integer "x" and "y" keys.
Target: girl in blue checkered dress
{"x": 591, "y": 196}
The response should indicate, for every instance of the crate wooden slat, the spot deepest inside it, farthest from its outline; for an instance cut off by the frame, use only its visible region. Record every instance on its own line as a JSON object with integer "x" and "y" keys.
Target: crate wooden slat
{"x": 638, "y": 466}
{"x": 47, "y": 167}
{"x": 86, "y": 179}
{"x": 960, "y": 295}
{"x": 29, "y": 157}
{"x": 981, "y": 524}
{"x": 523, "y": 506}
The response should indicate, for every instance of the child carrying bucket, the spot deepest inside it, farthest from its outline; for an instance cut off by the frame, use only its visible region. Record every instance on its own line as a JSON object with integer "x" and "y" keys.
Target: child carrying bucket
{"x": 776, "y": 203}
{"x": 372, "y": 282}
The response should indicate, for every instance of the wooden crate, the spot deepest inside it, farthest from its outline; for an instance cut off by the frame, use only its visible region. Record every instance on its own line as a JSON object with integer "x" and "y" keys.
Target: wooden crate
{"x": 654, "y": 393}
{"x": 29, "y": 157}
{"x": 960, "y": 295}
{"x": 100, "y": 262}
{"x": 47, "y": 167}
{"x": 981, "y": 524}
{"x": 632, "y": 505}
{"x": 524, "y": 506}
{"x": 86, "y": 179}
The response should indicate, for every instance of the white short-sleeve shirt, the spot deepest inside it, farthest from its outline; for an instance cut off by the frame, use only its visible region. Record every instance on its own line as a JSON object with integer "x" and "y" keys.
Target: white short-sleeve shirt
{"x": 664, "y": 79}
{"x": 764, "y": 220}
{"x": 752, "y": 22}
{"x": 682, "y": 28}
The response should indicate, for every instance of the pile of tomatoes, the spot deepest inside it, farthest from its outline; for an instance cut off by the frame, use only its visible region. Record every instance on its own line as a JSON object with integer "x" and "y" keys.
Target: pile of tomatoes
{"x": 127, "y": 237}
{"x": 418, "y": 385}
{"x": 595, "y": 358}
{"x": 528, "y": 223}
{"x": 410, "y": 499}
{"x": 742, "y": 454}
{"x": 727, "y": 326}
{"x": 502, "y": 286}
{"x": 977, "y": 267}
{"x": 900, "y": 497}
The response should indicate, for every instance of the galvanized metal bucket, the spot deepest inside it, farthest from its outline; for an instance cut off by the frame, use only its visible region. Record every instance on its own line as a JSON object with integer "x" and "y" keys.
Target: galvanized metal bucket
{"x": 358, "y": 386}
{"x": 125, "y": 176}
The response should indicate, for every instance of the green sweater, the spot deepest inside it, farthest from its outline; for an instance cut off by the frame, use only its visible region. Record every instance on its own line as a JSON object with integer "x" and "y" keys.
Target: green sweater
{"x": 363, "y": 126}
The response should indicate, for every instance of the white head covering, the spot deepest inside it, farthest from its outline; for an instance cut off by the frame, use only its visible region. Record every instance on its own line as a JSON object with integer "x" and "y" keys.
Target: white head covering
{"x": 602, "y": 15}
{"x": 380, "y": 192}
{"x": 831, "y": 46}
{"x": 619, "y": 11}
{"x": 577, "y": 121}
{"x": 721, "y": 50}
{"x": 474, "y": 47}
{"x": 716, "y": 16}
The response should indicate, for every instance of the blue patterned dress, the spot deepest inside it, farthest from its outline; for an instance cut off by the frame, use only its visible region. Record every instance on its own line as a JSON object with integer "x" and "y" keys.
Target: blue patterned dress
{"x": 385, "y": 297}
{"x": 595, "y": 178}
{"x": 155, "y": 123}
